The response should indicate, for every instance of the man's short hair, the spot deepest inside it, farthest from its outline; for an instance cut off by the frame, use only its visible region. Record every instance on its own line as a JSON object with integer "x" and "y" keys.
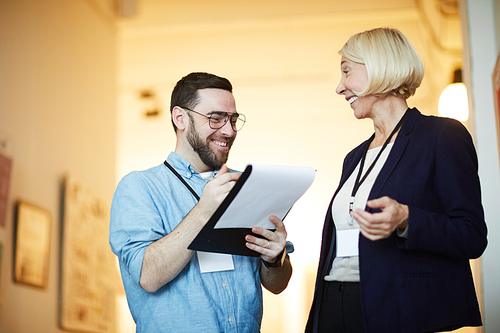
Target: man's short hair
{"x": 393, "y": 65}
{"x": 185, "y": 93}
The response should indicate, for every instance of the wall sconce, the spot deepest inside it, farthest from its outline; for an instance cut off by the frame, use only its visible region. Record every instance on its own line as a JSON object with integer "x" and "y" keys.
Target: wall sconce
{"x": 453, "y": 100}
{"x": 151, "y": 103}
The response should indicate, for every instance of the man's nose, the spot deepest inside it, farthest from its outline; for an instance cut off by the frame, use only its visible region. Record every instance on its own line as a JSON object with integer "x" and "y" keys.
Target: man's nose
{"x": 227, "y": 128}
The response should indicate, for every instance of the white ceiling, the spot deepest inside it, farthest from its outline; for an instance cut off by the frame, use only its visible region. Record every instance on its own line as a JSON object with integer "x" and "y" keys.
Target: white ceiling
{"x": 436, "y": 33}
{"x": 164, "y": 12}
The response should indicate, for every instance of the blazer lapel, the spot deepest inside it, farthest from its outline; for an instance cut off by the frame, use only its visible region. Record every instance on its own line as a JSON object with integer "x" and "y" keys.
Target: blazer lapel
{"x": 395, "y": 154}
{"x": 351, "y": 164}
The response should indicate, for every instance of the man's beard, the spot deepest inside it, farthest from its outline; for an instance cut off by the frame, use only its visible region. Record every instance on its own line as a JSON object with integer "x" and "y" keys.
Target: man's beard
{"x": 207, "y": 155}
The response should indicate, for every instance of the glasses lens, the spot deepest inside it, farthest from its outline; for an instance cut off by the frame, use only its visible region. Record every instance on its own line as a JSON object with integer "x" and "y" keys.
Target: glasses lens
{"x": 237, "y": 121}
{"x": 219, "y": 119}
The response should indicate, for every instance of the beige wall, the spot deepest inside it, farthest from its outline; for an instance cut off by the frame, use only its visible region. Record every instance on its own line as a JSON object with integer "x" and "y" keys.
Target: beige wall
{"x": 57, "y": 116}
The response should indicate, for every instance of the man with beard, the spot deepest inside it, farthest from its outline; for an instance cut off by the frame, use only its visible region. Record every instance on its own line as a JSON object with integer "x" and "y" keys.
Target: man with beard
{"x": 156, "y": 214}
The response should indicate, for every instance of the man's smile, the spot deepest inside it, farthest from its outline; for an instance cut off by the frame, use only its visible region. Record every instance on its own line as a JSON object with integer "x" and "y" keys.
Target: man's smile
{"x": 220, "y": 143}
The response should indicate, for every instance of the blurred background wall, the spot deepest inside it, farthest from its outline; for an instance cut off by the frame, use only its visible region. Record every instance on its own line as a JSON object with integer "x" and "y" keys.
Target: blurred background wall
{"x": 58, "y": 113}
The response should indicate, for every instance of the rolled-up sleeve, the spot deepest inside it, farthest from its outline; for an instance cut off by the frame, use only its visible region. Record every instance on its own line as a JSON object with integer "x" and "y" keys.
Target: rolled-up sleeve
{"x": 134, "y": 223}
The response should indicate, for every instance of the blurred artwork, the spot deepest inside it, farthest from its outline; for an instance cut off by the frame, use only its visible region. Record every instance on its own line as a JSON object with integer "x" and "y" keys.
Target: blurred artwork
{"x": 5, "y": 170}
{"x": 32, "y": 244}
{"x": 88, "y": 273}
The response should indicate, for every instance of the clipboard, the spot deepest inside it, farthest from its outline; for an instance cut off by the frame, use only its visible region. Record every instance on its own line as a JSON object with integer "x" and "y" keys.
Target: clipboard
{"x": 261, "y": 191}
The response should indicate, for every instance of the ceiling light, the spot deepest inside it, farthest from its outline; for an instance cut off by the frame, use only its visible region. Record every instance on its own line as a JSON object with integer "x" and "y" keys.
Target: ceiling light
{"x": 453, "y": 100}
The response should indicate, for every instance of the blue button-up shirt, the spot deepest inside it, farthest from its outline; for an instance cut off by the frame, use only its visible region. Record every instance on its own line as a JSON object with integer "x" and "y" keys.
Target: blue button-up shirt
{"x": 147, "y": 205}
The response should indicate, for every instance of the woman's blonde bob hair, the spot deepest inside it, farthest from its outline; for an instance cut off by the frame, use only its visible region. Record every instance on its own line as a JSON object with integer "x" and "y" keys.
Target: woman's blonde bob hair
{"x": 393, "y": 65}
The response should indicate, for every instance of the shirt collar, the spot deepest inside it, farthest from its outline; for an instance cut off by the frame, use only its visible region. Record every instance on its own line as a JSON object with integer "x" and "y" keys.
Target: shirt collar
{"x": 183, "y": 167}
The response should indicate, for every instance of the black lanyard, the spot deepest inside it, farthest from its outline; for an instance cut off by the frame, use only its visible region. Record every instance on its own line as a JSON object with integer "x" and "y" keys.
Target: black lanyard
{"x": 359, "y": 181}
{"x": 182, "y": 180}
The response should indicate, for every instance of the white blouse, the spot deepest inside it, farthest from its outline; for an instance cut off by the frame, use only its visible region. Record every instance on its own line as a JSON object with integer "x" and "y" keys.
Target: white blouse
{"x": 347, "y": 268}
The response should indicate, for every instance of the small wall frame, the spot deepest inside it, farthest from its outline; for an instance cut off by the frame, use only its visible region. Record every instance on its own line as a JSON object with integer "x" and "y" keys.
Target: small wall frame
{"x": 31, "y": 244}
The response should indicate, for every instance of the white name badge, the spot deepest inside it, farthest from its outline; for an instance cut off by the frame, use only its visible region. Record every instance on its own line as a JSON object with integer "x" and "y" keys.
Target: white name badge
{"x": 214, "y": 262}
{"x": 347, "y": 243}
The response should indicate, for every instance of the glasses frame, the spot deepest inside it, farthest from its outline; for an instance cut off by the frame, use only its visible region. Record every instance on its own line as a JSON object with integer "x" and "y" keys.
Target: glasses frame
{"x": 239, "y": 116}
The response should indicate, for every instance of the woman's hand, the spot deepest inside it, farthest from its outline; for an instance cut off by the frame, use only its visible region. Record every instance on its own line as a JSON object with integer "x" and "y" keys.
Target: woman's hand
{"x": 375, "y": 226}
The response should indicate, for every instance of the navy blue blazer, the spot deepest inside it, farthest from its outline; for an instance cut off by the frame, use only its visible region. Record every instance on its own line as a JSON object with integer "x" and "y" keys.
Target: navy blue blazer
{"x": 422, "y": 283}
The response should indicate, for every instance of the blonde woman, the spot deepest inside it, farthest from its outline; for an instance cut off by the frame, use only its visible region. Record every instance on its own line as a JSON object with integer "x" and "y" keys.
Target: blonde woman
{"x": 407, "y": 215}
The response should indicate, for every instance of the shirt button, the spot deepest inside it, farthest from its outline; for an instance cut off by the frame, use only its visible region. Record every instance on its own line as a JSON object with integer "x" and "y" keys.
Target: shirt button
{"x": 230, "y": 319}
{"x": 223, "y": 285}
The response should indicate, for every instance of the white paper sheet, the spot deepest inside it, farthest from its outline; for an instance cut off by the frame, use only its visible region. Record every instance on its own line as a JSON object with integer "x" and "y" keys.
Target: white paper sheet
{"x": 347, "y": 243}
{"x": 214, "y": 262}
{"x": 269, "y": 190}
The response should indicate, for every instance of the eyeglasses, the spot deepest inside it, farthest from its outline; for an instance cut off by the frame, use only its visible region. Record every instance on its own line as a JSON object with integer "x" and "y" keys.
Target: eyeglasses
{"x": 217, "y": 119}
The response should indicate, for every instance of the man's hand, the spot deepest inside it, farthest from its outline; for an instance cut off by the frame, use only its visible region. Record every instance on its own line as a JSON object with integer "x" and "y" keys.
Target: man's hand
{"x": 166, "y": 257}
{"x": 215, "y": 191}
{"x": 381, "y": 225}
{"x": 272, "y": 244}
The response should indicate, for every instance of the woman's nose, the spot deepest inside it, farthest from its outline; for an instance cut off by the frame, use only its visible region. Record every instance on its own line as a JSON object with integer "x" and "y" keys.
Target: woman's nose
{"x": 340, "y": 88}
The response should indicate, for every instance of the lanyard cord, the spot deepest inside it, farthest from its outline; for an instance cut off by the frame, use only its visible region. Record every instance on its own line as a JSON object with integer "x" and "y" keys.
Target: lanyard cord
{"x": 182, "y": 180}
{"x": 358, "y": 182}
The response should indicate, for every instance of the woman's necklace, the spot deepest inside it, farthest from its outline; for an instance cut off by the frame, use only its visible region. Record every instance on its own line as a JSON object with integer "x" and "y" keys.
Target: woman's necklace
{"x": 359, "y": 180}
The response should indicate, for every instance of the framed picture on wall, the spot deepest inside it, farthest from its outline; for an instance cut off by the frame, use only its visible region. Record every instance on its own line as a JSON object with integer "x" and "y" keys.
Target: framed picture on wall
{"x": 88, "y": 267}
{"x": 31, "y": 244}
{"x": 5, "y": 171}
{"x": 496, "y": 96}
{"x": 1, "y": 251}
